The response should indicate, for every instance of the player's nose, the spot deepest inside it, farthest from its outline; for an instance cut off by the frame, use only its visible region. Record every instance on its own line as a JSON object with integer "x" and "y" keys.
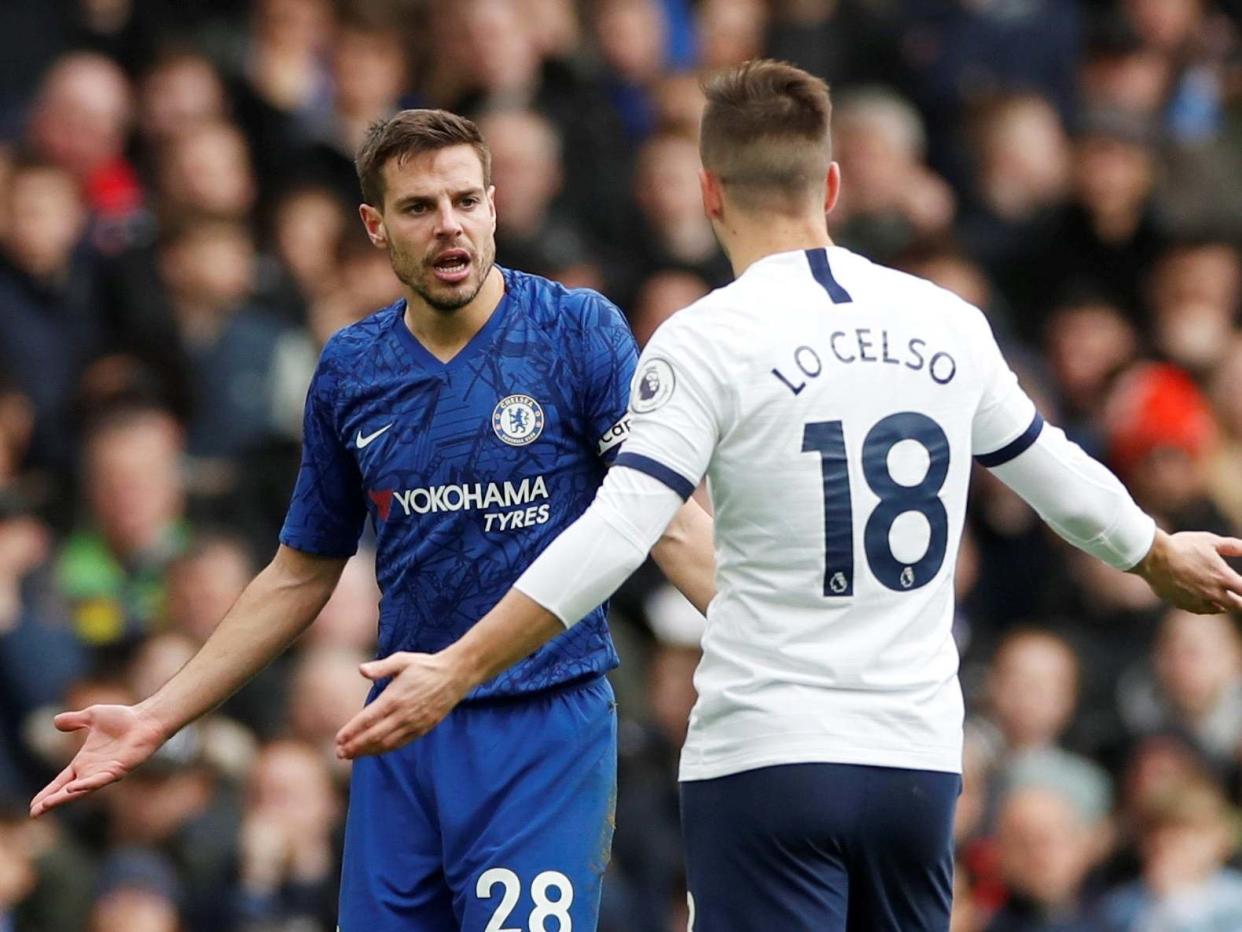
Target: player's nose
{"x": 448, "y": 224}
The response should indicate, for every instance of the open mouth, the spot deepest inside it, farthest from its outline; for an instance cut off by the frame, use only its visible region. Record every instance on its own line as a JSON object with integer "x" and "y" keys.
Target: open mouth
{"x": 451, "y": 266}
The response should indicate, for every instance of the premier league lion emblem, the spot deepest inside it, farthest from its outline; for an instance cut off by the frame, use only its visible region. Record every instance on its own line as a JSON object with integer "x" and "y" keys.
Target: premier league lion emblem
{"x": 517, "y": 420}
{"x": 653, "y": 386}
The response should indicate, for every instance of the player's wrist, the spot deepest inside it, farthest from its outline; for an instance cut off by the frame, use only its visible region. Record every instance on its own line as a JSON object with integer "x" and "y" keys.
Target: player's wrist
{"x": 1155, "y": 562}
{"x": 465, "y": 665}
{"x": 156, "y": 721}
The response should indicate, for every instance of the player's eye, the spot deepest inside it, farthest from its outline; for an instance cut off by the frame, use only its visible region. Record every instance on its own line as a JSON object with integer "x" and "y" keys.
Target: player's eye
{"x": 468, "y": 201}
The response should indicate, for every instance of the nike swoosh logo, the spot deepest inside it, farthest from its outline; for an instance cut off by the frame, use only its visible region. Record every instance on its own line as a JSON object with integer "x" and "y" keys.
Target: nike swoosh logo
{"x": 363, "y": 441}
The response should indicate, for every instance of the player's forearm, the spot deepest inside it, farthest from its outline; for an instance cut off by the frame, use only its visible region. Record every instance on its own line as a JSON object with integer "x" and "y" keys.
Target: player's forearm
{"x": 277, "y": 606}
{"x": 598, "y": 552}
{"x": 1080, "y": 499}
{"x": 515, "y": 628}
{"x": 685, "y": 554}
{"x": 578, "y": 571}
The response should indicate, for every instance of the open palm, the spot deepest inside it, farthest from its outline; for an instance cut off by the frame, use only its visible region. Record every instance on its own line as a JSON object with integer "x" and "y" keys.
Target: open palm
{"x": 119, "y": 738}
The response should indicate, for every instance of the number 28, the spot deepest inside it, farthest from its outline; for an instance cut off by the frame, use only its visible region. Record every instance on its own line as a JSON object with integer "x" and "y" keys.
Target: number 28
{"x": 541, "y": 886}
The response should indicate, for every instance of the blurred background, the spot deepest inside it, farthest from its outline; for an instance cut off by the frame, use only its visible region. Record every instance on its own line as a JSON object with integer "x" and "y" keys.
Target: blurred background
{"x": 178, "y": 237}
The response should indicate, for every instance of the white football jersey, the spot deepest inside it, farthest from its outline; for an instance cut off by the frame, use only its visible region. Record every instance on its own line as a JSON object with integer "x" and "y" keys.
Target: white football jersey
{"x": 835, "y": 407}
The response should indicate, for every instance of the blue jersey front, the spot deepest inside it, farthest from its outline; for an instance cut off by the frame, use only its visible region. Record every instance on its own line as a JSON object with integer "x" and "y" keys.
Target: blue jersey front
{"x": 469, "y": 468}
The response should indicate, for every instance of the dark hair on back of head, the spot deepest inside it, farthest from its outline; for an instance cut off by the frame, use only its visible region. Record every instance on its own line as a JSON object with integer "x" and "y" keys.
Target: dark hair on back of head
{"x": 766, "y": 128}
{"x": 413, "y": 132}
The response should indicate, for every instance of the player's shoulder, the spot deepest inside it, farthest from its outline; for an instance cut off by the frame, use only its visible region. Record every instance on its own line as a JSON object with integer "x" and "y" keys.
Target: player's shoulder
{"x": 882, "y": 283}
{"x": 354, "y": 341}
{"x": 722, "y": 330}
{"x": 553, "y": 306}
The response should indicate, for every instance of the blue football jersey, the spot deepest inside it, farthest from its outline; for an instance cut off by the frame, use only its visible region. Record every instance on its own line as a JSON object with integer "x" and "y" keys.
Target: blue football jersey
{"x": 469, "y": 468}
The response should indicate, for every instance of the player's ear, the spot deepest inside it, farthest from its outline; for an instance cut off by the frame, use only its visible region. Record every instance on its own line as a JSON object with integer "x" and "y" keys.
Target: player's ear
{"x": 373, "y": 220}
{"x": 832, "y": 187}
{"x": 491, "y": 201}
{"x": 713, "y": 194}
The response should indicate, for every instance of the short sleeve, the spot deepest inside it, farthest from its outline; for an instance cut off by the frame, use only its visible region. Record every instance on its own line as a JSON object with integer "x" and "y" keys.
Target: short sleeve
{"x": 1006, "y": 422}
{"x": 677, "y": 410}
{"x": 327, "y": 510}
{"x": 609, "y": 360}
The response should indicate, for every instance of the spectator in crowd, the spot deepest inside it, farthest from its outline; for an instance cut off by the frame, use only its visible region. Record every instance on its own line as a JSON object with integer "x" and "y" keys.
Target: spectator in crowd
{"x": 1032, "y": 694}
{"x": 1157, "y": 766}
{"x": 181, "y": 89}
{"x": 138, "y": 892}
{"x": 1047, "y": 847}
{"x": 1088, "y": 343}
{"x": 1160, "y": 433}
{"x": 364, "y": 279}
{"x": 1118, "y": 69}
{"x": 47, "y": 331}
{"x": 730, "y": 31}
{"x": 1186, "y": 837}
{"x": 660, "y": 297}
{"x": 532, "y": 231}
{"x": 179, "y": 811}
{"x": 80, "y": 122}
{"x": 893, "y": 200}
{"x": 208, "y": 268}
{"x": 674, "y": 232}
{"x": 1029, "y": 47}
{"x": 309, "y": 222}
{"x": 280, "y": 80}
{"x": 1196, "y": 291}
{"x": 369, "y": 73}
{"x": 844, "y": 43}
{"x": 205, "y": 172}
{"x": 1109, "y": 232}
{"x": 291, "y": 820}
{"x": 1194, "y": 685}
{"x": 111, "y": 568}
{"x": 1021, "y": 161}
{"x": 205, "y": 581}
{"x": 632, "y": 40}
{"x": 324, "y": 685}
{"x": 679, "y": 104}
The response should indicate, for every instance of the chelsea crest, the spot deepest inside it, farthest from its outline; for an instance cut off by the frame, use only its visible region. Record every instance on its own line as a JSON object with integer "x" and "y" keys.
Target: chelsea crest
{"x": 517, "y": 420}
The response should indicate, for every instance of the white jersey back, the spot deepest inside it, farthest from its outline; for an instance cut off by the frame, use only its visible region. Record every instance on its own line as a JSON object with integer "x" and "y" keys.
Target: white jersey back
{"x": 834, "y": 407}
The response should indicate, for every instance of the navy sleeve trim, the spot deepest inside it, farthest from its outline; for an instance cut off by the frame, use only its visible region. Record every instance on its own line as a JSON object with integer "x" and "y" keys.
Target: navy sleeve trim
{"x": 1015, "y": 447}
{"x": 818, "y": 259}
{"x": 658, "y": 471}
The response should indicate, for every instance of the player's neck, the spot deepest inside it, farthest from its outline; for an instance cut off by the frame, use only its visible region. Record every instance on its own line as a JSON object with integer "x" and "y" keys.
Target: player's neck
{"x": 444, "y": 334}
{"x": 747, "y": 241}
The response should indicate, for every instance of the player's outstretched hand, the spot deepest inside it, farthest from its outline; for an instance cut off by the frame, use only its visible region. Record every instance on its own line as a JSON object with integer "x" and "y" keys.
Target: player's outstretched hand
{"x": 1188, "y": 570}
{"x": 118, "y": 739}
{"x": 424, "y": 689}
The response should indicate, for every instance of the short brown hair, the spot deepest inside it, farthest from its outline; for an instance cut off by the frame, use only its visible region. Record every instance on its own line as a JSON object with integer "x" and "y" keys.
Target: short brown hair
{"x": 413, "y": 132}
{"x": 765, "y": 131}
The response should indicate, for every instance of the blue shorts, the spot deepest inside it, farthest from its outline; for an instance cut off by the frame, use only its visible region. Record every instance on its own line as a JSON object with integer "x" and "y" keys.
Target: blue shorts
{"x": 501, "y": 817}
{"x": 820, "y": 848}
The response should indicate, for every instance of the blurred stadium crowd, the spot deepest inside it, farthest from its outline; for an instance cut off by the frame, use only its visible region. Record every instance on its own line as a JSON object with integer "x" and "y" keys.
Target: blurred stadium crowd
{"x": 178, "y": 238}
